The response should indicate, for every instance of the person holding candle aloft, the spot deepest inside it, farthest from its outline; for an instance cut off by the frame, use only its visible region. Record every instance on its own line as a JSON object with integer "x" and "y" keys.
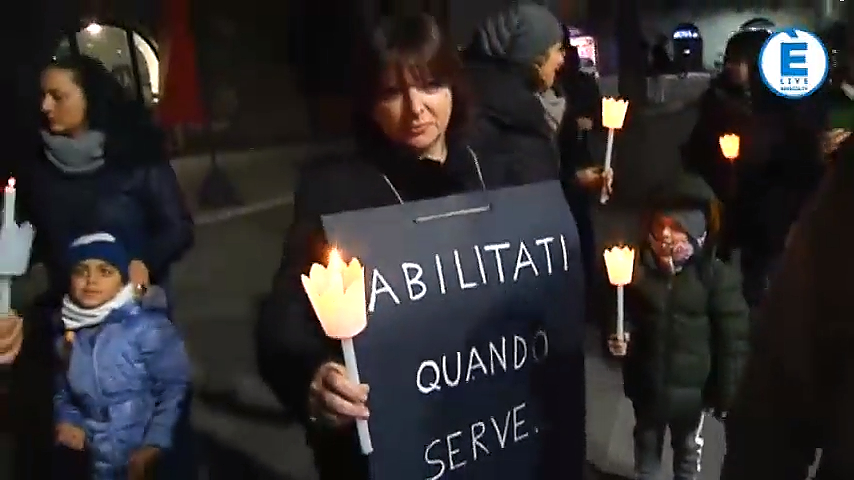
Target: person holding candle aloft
{"x": 97, "y": 163}
{"x": 580, "y": 173}
{"x": 777, "y": 169}
{"x": 514, "y": 61}
{"x": 526, "y": 118}
{"x": 11, "y": 338}
{"x": 687, "y": 330}
{"x": 124, "y": 390}
{"x": 725, "y": 108}
{"x": 412, "y": 144}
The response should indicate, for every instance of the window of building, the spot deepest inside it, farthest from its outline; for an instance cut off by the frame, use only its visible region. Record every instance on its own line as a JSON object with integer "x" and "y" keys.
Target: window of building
{"x": 131, "y": 57}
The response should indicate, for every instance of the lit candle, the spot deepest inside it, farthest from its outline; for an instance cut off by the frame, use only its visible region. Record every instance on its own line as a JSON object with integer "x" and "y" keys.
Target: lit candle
{"x": 730, "y": 144}
{"x": 620, "y": 263}
{"x": 9, "y": 204}
{"x": 613, "y": 116}
{"x": 337, "y": 295}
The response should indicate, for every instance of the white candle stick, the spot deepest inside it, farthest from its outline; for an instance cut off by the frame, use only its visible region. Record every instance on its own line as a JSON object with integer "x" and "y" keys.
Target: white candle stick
{"x": 609, "y": 152}
{"x": 613, "y": 116}
{"x": 337, "y": 295}
{"x": 9, "y": 204}
{"x": 9, "y": 195}
{"x": 353, "y": 376}
{"x": 621, "y": 311}
{"x": 619, "y": 262}
{"x": 5, "y": 295}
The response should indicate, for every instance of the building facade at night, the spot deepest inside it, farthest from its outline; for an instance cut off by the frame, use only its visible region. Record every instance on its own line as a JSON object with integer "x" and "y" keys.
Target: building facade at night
{"x": 710, "y": 23}
{"x": 277, "y": 71}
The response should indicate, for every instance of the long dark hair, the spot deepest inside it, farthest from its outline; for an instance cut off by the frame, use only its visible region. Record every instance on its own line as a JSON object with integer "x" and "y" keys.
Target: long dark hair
{"x": 413, "y": 48}
{"x": 126, "y": 122}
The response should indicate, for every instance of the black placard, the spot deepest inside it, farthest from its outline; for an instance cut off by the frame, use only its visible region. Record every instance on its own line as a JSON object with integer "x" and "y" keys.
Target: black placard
{"x": 494, "y": 286}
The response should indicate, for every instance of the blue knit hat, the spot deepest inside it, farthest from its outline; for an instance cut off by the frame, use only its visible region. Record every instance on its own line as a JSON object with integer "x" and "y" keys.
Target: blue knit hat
{"x": 99, "y": 246}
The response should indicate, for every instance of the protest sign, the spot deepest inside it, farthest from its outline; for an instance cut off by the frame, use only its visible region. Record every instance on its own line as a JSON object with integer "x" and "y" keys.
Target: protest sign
{"x": 473, "y": 348}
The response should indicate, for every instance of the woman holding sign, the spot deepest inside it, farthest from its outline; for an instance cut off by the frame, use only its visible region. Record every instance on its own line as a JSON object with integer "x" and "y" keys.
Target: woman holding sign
{"x": 411, "y": 112}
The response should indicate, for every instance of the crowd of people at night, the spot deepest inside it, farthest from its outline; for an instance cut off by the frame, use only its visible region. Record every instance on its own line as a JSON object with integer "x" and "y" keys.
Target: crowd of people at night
{"x": 737, "y": 310}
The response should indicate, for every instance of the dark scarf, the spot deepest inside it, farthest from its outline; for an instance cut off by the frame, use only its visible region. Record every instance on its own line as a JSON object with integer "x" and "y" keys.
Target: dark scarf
{"x": 423, "y": 178}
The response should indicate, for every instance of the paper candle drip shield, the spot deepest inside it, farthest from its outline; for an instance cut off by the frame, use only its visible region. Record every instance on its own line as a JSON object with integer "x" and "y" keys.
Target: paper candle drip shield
{"x": 337, "y": 294}
{"x": 16, "y": 243}
{"x": 620, "y": 263}
{"x": 614, "y": 112}
{"x": 730, "y": 145}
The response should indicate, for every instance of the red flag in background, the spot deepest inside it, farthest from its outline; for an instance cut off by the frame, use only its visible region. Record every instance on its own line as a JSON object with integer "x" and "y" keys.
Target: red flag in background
{"x": 180, "y": 100}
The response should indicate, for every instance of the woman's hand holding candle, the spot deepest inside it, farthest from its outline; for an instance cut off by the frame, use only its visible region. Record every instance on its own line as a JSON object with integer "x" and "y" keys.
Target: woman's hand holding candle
{"x": 335, "y": 399}
{"x": 618, "y": 347}
{"x": 337, "y": 295}
{"x": 595, "y": 178}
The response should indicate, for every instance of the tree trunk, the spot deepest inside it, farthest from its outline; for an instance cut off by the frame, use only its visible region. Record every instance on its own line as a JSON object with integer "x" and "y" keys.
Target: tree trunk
{"x": 632, "y": 54}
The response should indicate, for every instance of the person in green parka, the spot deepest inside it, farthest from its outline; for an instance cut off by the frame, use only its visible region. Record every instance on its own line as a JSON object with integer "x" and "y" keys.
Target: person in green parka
{"x": 687, "y": 329}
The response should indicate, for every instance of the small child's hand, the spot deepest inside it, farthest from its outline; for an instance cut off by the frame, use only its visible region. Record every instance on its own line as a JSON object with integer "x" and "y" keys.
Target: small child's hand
{"x": 618, "y": 347}
{"x": 70, "y": 436}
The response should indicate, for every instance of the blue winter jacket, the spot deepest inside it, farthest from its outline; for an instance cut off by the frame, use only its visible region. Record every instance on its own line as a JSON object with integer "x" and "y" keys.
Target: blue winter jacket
{"x": 127, "y": 386}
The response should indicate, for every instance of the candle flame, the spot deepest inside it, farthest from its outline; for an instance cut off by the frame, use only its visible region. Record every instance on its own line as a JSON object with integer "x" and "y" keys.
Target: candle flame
{"x": 11, "y": 183}
{"x": 335, "y": 263}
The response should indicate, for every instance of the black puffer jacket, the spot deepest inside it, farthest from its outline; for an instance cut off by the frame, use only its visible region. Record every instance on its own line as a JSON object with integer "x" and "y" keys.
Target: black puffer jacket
{"x": 689, "y": 331}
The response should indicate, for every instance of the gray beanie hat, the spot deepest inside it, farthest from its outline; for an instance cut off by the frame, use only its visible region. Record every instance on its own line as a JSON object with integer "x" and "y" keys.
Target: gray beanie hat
{"x": 519, "y": 33}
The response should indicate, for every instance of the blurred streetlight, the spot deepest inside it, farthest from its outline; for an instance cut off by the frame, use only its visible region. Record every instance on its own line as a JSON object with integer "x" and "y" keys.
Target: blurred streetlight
{"x": 93, "y": 28}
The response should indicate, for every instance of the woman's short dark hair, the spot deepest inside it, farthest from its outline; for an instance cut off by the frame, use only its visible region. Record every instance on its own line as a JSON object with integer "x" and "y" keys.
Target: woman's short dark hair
{"x": 409, "y": 49}
{"x": 126, "y": 122}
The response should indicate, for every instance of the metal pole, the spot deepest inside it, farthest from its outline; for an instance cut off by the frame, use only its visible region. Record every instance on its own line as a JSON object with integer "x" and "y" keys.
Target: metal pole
{"x": 217, "y": 189}
{"x": 134, "y": 64}
{"x": 73, "y": 44}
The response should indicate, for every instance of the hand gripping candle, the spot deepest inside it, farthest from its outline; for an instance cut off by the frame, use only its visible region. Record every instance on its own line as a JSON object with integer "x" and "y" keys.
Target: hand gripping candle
{"x": 613, "y": 116}
{"x": 620, "y": 261}
{"x": 337, "y": 295}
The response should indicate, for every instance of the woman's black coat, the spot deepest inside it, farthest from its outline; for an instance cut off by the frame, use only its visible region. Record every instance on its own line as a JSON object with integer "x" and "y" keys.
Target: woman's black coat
{"x": 290, "y": 342}
{"x": 135, "y": 196}
{"x": 778, "y": 168}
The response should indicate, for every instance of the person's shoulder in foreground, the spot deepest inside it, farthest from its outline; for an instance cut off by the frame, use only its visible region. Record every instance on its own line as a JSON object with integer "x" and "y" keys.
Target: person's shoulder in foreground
{"x": 798, "y": 386}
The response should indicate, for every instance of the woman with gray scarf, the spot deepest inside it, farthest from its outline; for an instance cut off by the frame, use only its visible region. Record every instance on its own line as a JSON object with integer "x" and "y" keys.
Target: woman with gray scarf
{"x": 513, "y": 62}
{"x": 100, "y": 165}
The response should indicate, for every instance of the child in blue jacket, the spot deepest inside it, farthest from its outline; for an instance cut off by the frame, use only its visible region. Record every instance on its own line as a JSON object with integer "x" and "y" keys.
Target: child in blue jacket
{"x": 124, "y": 395}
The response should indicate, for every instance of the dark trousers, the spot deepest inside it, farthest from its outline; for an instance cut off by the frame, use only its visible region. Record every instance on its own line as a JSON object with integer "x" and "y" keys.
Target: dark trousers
{"x": 581, "y": 212}
{"x": 685, "y": 437}
{"x": 757, "y": 269}
{"x": 337, "y": 455}
{"x": 31, "y": 402}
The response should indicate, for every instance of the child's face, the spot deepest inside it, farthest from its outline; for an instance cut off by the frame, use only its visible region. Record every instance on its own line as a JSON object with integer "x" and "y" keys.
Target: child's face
{"x": 666, "y": 233}
{"x": 94, "y": 283}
